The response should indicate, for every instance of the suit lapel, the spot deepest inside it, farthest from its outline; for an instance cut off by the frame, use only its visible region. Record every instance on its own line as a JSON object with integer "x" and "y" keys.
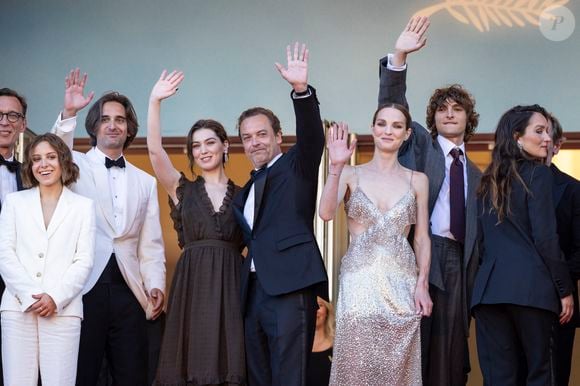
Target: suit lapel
{"x": 259, "y": 186}
{"x": 102, "y": 193}
{"x": 435, "y": 170}
{"x": 470, "y": 209}
{"x": 19, "y": 185}
{"x": 60, "y": 212}
{"x": 238, "y": 207}
{"x": 35, "y": 208}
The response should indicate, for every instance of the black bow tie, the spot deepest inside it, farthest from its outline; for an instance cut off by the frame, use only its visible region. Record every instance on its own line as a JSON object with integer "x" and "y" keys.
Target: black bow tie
{"x": 12, "y": 166}
{"x": 120, "y": 162}
{"x": 256, "y": 173}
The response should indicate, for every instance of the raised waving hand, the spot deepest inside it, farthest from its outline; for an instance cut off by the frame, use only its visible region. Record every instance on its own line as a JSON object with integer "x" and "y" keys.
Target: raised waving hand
{"x": 296, "y": 71}
{"x": 339, "y": 152}
{"x": 74, "y": 89}
{"x": 167, "y": 85}
{"x": 412, "y": 39}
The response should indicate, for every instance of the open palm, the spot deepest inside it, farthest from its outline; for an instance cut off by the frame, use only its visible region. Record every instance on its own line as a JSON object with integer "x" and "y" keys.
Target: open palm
{"x": 167, "y": 85}
{"x": 296, "y": 72}
{"x": 339, "y": 151}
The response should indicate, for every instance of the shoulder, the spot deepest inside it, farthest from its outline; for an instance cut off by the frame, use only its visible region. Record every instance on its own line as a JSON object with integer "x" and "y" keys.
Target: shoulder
{"x": 21, "y": 195}
{"x": 419, "y": 181}
{"x": 78, "y": 199}
{"x": 539, "y": 173}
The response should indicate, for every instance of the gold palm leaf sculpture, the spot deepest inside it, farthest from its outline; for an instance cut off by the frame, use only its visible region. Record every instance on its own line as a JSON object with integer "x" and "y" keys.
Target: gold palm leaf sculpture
{"x": 481, "y": 13}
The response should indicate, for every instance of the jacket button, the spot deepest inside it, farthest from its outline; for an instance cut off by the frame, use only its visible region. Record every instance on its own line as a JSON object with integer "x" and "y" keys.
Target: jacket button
{"x": 41, "y": 255}
{"x": 38, "y": 274}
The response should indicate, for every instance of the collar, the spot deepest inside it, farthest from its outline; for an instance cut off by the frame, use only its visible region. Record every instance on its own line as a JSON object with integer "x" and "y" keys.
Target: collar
{"x": 272, "y": 161}
{"x": 102, "y": 155}
{"x": 447, "y": 145}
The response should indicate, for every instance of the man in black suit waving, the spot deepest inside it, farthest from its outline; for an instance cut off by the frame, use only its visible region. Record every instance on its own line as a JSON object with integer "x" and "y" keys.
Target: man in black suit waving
{"x": 566, "y": 197}
{"x": 283, "y": 271}
{"x": 12, "y": 124}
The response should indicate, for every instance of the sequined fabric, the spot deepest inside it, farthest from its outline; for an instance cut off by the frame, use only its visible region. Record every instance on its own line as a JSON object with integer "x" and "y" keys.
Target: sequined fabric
{"x": 377, "y": 331}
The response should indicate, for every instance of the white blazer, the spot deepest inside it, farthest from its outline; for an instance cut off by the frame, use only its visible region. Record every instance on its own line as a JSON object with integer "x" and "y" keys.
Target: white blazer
{"x": 36, "y": 259}
{"x": 139, "y": 246}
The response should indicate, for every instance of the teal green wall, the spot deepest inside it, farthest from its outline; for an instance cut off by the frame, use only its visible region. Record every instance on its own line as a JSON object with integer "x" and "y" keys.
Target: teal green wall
{"x": 227, "y": 49}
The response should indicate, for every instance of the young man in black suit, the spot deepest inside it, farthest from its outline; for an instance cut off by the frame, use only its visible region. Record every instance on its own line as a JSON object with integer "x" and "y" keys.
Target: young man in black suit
{"x": 12, "y": 123}
{"x": 283, "y": 271}
{"x": 566, "y": 197}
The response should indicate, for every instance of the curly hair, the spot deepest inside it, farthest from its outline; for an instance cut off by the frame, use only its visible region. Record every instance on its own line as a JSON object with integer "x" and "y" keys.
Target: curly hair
{"x": 456, "y": 93}
{"x": 69, "y": 170}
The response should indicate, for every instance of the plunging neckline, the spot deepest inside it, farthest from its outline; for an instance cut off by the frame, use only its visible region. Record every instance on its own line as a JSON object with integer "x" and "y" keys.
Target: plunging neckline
{"x": 207, "y": 200}
{"x": 376, "y": 207}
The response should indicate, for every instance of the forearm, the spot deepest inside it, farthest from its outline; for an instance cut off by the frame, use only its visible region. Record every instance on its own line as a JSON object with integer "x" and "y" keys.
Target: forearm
{"x": 309, "y": 127}
{"x": 330, "y": 194}
{"x": 422, "y": 247}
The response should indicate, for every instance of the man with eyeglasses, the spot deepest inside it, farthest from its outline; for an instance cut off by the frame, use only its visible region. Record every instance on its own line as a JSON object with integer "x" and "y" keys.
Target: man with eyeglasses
{"x": 12, "y": 123}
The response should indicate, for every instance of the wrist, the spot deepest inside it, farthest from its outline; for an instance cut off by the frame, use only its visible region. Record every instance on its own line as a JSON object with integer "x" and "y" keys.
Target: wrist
{"x": 69, "y": 113}
{"x": 300, "y": 88}
{"x": 335, "y": 169}
{"x": 399, "y": 58}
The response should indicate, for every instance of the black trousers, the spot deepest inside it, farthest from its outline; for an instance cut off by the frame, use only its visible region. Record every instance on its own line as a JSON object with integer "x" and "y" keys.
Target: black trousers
{"x": 279, "y": 332}
{"x": 504, "y": 332}
{"x": 114, "y": 326}
{"x": 444, "y": 352}
{"x": 562, "y": 352}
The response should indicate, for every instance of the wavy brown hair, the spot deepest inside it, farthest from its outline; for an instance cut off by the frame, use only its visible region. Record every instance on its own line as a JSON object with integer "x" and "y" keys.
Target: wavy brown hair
{"x": 69, "y": 170}
{"x": 459, "y": 95}
{"x": 497, "y": 180}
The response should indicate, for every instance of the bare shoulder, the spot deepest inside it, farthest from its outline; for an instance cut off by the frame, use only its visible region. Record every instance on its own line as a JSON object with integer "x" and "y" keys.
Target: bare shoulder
{"x": 419, "y": 181}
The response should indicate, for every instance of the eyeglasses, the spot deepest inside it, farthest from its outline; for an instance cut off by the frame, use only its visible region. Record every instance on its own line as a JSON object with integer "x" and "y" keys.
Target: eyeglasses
{"x": 12, "y": 116}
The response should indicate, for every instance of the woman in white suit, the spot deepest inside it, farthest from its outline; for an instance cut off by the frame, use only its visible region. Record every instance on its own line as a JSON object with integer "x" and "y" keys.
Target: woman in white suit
{"x": 46, "y": 256}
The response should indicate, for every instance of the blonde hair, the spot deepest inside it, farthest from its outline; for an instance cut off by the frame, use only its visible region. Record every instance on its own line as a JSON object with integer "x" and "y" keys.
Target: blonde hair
{"x": 329, "y": 324}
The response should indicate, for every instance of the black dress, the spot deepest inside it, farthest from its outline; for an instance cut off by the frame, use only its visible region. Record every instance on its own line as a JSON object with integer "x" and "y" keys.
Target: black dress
{"x": 203, "y": 342}
{"x": 318, "y": 373}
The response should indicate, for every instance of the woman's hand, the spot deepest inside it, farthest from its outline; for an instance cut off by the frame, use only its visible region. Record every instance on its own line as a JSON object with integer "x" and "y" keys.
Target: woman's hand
{"x": 167, "y": 85}
{"x": 44, "y": 305}
{"x": 423, "y": 303}
{"x": 339, "y": 152}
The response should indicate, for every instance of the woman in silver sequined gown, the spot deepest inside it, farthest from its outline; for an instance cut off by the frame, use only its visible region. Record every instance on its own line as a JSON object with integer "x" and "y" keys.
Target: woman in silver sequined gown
{"x": 383, "y": 285}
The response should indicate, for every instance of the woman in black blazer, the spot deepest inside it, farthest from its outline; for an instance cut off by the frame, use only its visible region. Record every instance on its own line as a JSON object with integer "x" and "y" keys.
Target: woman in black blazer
{"x": 522, "y": 283}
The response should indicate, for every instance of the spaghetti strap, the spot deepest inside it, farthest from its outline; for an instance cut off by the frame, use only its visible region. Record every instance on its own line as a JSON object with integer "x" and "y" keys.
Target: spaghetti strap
{"x": 411, "y": 180}
{"x": 356, "y": 174}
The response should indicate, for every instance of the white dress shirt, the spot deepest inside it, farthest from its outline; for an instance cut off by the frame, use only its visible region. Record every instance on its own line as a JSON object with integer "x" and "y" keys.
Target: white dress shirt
{"x": 441, "y": 216}
{"x": 249, "y": 207}
{"x": 7, "y": 180}
{"x": 118, "y": 191}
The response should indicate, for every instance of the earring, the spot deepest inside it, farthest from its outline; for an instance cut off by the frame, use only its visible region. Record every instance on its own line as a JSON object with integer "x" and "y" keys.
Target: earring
{"x": 520, "y": 146}
{"x": 226, "y": 156}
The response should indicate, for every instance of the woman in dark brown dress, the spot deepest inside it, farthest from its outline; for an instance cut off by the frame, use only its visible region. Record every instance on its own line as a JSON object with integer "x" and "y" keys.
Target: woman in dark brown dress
{"x": 203, "y": 339}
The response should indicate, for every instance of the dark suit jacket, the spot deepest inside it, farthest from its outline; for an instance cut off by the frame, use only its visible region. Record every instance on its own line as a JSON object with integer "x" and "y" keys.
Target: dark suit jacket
{"x": 420, "y": 152}
{"x": 566, "y": 195}
{"x": 521, "y": 261}
{"x": 282, "y": 241}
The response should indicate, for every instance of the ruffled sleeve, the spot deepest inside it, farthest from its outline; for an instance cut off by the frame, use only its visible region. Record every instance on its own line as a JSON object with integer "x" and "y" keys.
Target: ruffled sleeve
{"x": 175, "y": 210}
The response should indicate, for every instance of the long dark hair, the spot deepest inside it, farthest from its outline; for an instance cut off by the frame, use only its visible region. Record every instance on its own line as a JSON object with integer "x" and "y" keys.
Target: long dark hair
{"x": 496, "y": 182}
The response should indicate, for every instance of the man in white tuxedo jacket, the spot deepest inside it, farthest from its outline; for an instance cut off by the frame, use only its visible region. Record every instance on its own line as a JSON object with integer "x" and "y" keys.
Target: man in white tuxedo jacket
{"x": 127, "y": 284}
